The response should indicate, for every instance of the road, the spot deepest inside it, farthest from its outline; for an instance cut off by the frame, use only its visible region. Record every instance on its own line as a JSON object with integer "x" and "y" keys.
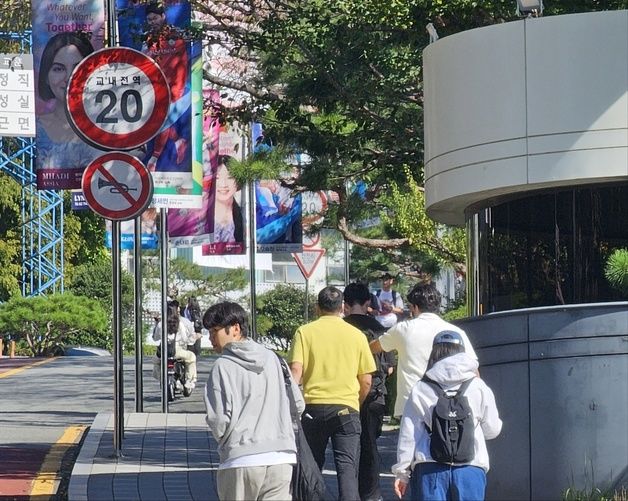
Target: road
{"x": 46, "y": 406}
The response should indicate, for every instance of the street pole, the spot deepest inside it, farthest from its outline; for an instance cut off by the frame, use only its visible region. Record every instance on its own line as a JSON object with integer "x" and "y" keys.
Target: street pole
{"x": 307, "y": 300}
{"x": 247, "y": 147}
{"x": 118, "y": 369}
{"x": 163, "y": 273}
{"x": 137, "y": 310}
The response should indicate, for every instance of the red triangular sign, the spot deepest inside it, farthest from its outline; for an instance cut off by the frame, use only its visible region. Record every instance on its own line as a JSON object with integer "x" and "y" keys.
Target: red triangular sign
{"x": 308, "y": 260}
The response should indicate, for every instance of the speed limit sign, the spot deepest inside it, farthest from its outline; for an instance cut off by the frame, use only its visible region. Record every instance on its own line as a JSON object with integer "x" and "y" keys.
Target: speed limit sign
{"x": 117, "y": 98}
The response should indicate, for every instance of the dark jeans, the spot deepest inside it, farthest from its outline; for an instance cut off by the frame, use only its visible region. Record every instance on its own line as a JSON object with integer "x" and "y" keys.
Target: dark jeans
{"x": 372, "y": 417}
{"x": 342, "y": 424}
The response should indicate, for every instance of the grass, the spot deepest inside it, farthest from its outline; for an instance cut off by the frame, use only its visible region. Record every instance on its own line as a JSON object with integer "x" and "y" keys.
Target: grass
{"x": 595, "y": 494}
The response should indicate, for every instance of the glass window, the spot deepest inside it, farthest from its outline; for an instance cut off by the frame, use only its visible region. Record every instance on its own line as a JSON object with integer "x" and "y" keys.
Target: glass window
{"x": 547, "y": 249}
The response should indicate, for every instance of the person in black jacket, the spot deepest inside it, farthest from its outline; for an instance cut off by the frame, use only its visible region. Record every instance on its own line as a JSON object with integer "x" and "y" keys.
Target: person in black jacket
{"x": 357, "y": 299}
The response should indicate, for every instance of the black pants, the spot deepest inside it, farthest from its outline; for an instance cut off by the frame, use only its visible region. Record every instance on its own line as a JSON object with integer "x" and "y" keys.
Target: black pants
{"x": 371, "y": 417}
{"x": 342, "y": 424}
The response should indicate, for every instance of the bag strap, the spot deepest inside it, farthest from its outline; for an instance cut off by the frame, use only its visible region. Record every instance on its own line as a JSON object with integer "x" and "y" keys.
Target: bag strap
{"x": 464, "y": 386}
{"x": 288, "y": 384}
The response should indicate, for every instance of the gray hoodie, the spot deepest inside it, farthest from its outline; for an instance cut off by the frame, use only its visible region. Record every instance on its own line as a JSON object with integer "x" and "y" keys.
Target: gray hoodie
{"x": 247, "y": 406}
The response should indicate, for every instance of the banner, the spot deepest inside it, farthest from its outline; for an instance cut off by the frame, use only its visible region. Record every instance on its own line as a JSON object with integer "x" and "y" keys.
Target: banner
{"x": 277, "y": 210}
{"x": 162, "y": 31}
{"x": 220, "y": 223}
{"x": 150, "y": 232}
{"x": 64, "y": 32}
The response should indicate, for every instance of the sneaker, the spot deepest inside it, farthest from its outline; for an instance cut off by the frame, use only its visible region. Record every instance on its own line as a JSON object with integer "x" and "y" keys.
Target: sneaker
{"x": 189, "y": 385}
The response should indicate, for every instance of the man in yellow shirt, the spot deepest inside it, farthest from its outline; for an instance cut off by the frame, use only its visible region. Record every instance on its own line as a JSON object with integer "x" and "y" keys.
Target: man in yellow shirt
{"x": 332, "y": 360}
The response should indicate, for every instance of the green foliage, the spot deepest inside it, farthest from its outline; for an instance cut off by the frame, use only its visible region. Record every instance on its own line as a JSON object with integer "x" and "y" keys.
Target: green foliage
{"x": 10, "y": 243}
{"x": 46, "y": 322}
{"x": 456, "y": 313}
{"x": 595, "y": 494}
{"x": 280, "y": 312}
{"x": 342, "y": 81}
{"x": 194, "y": 280}
{"x": 94, "y": 280}
{"x": 616, "y": 270}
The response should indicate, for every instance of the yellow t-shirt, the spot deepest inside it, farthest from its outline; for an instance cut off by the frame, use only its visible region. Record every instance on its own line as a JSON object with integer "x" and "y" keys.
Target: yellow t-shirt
{"x": 333, "y": 354}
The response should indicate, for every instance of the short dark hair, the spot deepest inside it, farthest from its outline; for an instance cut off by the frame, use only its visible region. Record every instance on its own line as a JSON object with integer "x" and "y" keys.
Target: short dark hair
{"x": 225, "y": 315}
{"x": 426, "y": 297}
{"x": 154, "y": 8}
{"x": 356, "y": 293}
{"x": 172, "y": 317}
{"x": 330, "y": 300}
{"x": 387, "y": 276}
{"x": 79, "y": 39}
{"x": 443, "y": 350}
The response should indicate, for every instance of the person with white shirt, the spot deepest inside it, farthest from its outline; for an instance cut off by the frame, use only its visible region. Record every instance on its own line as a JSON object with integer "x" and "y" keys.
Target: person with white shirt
{"x": 387, "y": 293}
{"x": 449, "y": 368}
{"x": 412, "y": 339}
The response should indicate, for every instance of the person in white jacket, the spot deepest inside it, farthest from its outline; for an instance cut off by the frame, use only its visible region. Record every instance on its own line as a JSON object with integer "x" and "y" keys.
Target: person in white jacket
{"x": 449, "y": 366}
{"x": 181, "y": 330}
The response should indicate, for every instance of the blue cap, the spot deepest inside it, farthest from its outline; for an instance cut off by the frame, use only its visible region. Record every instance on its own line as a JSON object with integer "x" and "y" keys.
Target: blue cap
{"x": 452, "y": 337}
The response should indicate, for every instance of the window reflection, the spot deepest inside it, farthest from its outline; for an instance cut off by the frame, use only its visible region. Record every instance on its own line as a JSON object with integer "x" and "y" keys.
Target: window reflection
{"x": 547, "y": 249}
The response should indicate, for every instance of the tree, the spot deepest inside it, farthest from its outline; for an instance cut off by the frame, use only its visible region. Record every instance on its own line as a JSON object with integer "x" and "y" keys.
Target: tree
{"x": 46, "y": 322}
{"x": 190, "y": 279}
{"x": 280, "y": 312}
{"x": 341, "y": 80}
{"x": 93, "y": 280}
{"x": 616, "y": 270}
{"x": 10, "y": 242}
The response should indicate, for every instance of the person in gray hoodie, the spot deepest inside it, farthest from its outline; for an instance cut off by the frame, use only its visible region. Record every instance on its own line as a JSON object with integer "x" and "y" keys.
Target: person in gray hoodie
{"x": 248, "y": 411}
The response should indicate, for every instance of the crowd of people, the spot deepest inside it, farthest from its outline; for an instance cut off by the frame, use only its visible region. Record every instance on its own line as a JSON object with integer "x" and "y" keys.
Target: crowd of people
{"x": 336, "y": 384}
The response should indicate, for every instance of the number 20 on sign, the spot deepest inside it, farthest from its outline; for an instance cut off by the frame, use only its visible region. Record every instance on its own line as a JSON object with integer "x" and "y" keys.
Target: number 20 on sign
{"x": 118, "y": 98}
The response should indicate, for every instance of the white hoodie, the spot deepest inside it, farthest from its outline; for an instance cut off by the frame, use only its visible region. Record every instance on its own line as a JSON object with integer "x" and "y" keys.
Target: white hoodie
{"x": 414, "y": 442}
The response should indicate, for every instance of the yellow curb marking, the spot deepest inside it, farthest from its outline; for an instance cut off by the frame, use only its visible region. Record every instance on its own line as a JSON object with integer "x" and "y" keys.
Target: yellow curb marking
{"x": 17, "y": 370}
{"x": 47, "y": 481}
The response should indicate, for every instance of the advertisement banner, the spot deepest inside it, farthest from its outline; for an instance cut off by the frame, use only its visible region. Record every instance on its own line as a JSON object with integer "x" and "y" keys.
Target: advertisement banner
{"x": 64, "y": 32}
{"x": 162, "y": 31}
{"x": 150, "y": 233}
{"x": 278, "y": 211}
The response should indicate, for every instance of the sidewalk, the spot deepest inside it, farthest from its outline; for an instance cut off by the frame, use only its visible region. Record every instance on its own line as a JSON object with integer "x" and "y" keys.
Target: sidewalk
{"x": 165, "y": 456}
{"x": 168, "y": 457}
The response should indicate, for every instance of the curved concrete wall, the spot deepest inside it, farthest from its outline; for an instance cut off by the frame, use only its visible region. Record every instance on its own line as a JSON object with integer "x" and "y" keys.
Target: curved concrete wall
{"x": 560, "y": 377}
{"x": 522, "y": 106}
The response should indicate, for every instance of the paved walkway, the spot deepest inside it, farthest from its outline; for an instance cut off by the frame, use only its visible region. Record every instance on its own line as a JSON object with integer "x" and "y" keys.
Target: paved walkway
{"x": 167, "y": 457}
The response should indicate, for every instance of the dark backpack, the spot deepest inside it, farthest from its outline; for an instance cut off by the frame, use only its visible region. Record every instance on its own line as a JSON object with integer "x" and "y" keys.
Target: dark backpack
{"x": 452, "y": 434}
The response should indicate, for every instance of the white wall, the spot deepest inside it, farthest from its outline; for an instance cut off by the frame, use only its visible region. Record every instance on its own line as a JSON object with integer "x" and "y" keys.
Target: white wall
{"x": 536, "y": 103}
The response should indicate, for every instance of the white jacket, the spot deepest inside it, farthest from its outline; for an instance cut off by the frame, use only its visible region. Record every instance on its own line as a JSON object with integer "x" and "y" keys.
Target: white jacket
{"x": 185, "y": 334}
{"x": 414, "y": 442}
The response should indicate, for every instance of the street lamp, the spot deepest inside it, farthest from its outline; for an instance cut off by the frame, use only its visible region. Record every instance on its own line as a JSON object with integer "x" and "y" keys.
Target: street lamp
{"x": 530, "y": 8}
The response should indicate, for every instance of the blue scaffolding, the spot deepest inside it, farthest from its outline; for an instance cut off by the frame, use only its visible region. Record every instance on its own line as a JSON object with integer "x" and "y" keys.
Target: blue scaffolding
{"x": 41, "y": 210}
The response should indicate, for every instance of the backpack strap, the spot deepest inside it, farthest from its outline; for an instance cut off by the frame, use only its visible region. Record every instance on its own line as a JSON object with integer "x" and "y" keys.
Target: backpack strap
{"x": 394, "y": 295}
{"x": 464, "y": 386}
{"x": 379, "y": 291}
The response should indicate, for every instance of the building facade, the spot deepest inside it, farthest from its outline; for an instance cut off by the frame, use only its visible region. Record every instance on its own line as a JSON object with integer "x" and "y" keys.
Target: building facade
{"x": 526, "y": 143}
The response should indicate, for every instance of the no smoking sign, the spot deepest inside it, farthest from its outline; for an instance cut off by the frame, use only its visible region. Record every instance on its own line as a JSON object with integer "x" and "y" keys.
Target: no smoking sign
{"x": 117, "y": 186}
{"x": 118, "y": 98}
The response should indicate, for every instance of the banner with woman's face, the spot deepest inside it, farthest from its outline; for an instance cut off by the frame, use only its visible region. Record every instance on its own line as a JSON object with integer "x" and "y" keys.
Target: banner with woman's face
{"x": 64, "y": 32}
{"x": 220, "y": 223}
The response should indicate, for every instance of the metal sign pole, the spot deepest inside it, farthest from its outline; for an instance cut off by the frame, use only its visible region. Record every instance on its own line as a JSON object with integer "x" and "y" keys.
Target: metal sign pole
{"x": 137, "y": 310}
{"x": 307, "y": 300}
{"x": 118, "y": 369}
{"x": 163, "y": 273}
{"x": 252, "y": 244}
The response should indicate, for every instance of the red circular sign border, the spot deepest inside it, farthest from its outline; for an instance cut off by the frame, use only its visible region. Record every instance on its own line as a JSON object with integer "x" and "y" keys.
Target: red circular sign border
{"x": 84, "y": 125}
{"x": 131, "y": 212}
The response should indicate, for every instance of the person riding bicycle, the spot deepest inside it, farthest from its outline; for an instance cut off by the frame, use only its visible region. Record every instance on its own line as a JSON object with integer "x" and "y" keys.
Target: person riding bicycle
{"x": 181, "y": 331}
